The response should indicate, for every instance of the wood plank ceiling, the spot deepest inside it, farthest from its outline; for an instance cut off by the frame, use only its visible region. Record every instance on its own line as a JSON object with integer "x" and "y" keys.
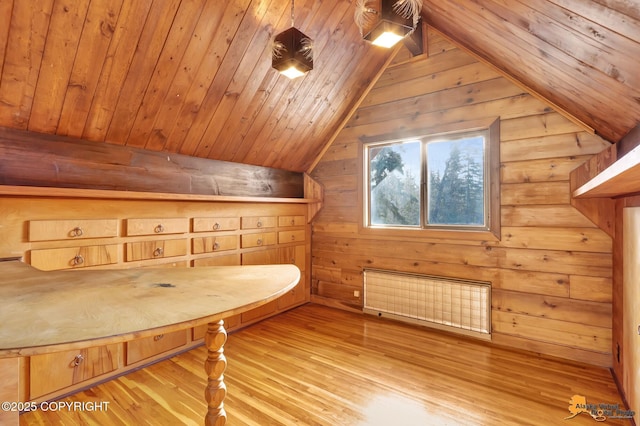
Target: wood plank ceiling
{"x": 194, "y": 76}
{"x": 582, "y": 55}
{"x": 185, "y": 76}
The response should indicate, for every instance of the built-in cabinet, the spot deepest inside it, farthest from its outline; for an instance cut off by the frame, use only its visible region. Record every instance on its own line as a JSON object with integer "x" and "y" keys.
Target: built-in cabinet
{"x": 67, "y": 234}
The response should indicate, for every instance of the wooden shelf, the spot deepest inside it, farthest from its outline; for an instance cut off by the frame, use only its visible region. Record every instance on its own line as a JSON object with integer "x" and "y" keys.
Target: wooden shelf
{"x": 619, "y": 179}
{"x": 37, "y": 191}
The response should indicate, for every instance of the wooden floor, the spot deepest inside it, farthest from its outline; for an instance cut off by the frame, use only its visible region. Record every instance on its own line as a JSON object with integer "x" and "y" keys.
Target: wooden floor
{"x": 320, "y": 366}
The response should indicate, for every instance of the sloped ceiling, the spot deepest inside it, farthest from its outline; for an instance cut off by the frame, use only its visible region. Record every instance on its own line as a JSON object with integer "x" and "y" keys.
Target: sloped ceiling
{"x": 581, "y": 55}
{"x": 194, "y": 76}
{"x": 185, "y": 76}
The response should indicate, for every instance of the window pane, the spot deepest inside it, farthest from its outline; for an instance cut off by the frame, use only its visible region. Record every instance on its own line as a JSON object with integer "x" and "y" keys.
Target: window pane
{"x": 394, "y": 184}
{"x": 455, "y": 182}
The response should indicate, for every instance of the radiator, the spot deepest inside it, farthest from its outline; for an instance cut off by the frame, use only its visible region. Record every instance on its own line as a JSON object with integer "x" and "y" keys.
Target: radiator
{"x": 460, "y": 306}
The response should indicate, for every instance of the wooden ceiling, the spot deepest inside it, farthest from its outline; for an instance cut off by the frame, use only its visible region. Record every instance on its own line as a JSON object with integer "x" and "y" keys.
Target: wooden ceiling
{"x": 186, "y": 76}
{"x": 194, "y": 76}
{"x": 581, "y": 55}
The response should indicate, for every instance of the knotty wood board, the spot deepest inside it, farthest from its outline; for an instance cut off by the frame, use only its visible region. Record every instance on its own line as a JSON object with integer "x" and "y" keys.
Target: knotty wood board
{"x": 50, "y": 311}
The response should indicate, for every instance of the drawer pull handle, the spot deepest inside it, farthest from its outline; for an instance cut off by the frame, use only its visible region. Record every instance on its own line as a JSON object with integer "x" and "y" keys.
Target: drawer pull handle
{"x": 77, "y": 360}
{"x": 159, "y": 229}
{"x": 259, "y": 241}
{"x": 259, "y": 224}
{"x": 76, "y": 232}
{"x": 293, "y": 222}
{"x": 216, "y": 245}
{"x": 158, "y": 337}
{"x": 216, "y": 226}
{"x": 293, "y": 238}
{"x": 158, "y": 252}
{"x": 77, "y": 260}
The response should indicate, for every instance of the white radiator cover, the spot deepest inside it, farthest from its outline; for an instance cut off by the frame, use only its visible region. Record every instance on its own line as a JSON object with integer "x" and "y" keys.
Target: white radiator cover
{"x": 461, "y": 306}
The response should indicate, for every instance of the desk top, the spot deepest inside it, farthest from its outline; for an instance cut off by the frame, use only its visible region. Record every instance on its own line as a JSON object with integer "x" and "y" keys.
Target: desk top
{"x": 43, "y": 312}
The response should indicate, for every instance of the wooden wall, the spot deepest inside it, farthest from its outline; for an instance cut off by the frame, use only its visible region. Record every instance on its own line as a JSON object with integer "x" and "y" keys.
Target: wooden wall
{"x": 37, "y": 159}
{"x": 550, "y": 272}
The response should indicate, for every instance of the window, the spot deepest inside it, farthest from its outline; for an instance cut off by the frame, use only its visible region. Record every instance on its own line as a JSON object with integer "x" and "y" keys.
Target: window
{"x": 445, "y": 182}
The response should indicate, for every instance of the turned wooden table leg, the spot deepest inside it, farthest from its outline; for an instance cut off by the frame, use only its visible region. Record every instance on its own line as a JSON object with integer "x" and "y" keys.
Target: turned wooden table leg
{"x": 215, "y": 365}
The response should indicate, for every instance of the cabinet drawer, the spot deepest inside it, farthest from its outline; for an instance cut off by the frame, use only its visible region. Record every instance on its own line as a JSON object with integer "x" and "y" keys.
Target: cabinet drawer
{"x": 257, "y": 222}
{"x": 158, "y": 249}
{"x": 211, "y": 244}
{"x": 284, "y": 221}
{"x": 294, "y": 255}
{"x": 159, "y": 226}
{"x": 74, "y": 257}
{"x": 291, "y": 236}
{"x": 168, "y": 265}
{"x": 52, "y": 372}
{"x": 224, "y": 260}
{"x": 261, "y": 257}
{"x": 258, "y": 240}
{"x": 295, "y": 296}
{"x": 260, "y": 312}
{"x": 140, "y": 349}
{"x": 47, "y": 230}
{"x": 204, "y": 224}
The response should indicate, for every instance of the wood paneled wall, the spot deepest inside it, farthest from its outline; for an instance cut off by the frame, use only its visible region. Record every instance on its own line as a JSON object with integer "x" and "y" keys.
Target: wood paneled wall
{"x": 37, "y": 159}
{"x": 550, "y": 272}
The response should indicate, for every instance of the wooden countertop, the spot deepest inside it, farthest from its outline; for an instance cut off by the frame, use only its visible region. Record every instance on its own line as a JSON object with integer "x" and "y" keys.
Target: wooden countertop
{"x": 43, "y": 312}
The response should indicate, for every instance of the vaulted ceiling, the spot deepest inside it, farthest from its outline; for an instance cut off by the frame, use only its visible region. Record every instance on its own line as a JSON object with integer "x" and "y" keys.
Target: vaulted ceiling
{"x": 194, "y": 76}
{"x": 581, "y": 55}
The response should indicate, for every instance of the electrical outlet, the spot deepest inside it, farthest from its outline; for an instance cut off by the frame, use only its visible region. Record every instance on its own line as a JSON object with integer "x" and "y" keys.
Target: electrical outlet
{"x": 356, "y": 293}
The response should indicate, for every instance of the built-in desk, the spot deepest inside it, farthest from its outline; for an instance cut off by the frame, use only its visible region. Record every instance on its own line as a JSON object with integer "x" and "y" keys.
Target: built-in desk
{"x": 44, "y": 312}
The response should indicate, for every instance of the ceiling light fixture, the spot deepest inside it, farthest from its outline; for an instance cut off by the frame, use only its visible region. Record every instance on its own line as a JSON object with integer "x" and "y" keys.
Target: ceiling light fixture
{"x": 386, "y": 22}
{"x": 292, "y": 53}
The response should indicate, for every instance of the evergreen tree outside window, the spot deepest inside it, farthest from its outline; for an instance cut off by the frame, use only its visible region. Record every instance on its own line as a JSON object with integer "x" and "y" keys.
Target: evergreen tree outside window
{"x": 455, "y": 182}
{"x": 436, "y": 182}
{"x": 395, "y": 184}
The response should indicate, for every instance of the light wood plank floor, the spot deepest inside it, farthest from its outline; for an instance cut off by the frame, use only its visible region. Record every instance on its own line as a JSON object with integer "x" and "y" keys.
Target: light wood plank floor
{"x": 320, "y": 366}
